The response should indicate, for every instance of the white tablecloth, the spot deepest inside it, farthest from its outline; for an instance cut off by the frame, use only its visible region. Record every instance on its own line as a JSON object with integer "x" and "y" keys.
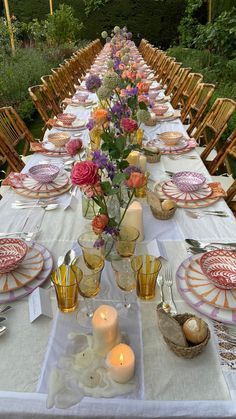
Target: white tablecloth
{"x": 173, "y": 387}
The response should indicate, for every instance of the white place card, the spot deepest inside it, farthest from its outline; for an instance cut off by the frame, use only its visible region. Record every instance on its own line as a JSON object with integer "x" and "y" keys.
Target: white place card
{"x": 39, "y": 304}
{"x": 156, "y": 248}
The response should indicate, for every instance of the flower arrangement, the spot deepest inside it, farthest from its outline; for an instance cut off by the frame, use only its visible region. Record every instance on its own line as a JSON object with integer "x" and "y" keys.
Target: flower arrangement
{"x": 116, "y": 121}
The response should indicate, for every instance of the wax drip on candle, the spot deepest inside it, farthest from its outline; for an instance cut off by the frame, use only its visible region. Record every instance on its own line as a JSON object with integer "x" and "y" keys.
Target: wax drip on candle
{"x": 121, "y": 358}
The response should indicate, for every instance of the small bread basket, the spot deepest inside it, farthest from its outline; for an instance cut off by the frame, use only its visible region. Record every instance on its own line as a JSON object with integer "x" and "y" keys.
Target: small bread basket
{"x": 156, "y": 208}
{"x": 152, "y": 156}
{"x": 192, "y": 350}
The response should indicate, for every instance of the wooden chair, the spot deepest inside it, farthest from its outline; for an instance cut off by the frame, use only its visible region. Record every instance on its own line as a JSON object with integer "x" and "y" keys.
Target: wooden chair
{"x": 14, "y": 132}
{"x": 174, "y": 68}
{"x": 42, "y": 103}
{"x": 196, "y": 104}
{"x": 11, "y": 160}
{"x": 181, "y": 97}
{"x": 178, "y": 81}
{"x": 214, "y": 124}
{"x": 227, "y": 151}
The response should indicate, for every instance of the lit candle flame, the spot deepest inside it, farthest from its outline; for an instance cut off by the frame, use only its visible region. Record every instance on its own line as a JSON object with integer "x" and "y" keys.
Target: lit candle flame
{"x": 103, "y": 316}
{"x": 121, "y": 359}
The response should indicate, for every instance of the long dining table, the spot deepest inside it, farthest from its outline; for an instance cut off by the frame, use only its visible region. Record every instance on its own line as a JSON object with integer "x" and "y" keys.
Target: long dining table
{"x": 168, "y": 386}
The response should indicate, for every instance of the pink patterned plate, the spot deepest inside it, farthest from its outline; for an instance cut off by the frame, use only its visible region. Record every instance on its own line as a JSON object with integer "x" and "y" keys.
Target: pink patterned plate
{"x": 171, "y": 190}
{"x": 31, "y": 194}
{"x": 164, "y": 148}
{"x": 25, "y": 272}
{"x": 187, "y": 204}
{"x": 220, "y": 268}
{"x": 12, "y": 252}
{"x": 200, "y": 285}
{"x": 53, "y": 149}
{"x": 216, "y": 313}
{"x": 60, "y": 182}
{"x": 191, "y": 144}
{"x": 76, "y": 126}
{"x": 37, "y": 282}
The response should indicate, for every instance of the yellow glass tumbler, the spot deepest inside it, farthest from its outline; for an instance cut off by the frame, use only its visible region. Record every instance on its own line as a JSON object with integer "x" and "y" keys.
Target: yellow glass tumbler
{"x": 147, "y": 276}
{"x": 65, "y": 283}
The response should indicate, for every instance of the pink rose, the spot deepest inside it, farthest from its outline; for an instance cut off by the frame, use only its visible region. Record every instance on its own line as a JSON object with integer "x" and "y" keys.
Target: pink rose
{"x": 92, "y": 190}
{"x": 84, "y": 173}
{"x": 73, "y": 146}
{"x": 129, "y": 125}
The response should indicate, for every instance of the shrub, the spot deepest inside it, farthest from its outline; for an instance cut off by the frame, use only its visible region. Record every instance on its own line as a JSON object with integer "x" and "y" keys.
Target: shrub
{"x": 24, "y": 70}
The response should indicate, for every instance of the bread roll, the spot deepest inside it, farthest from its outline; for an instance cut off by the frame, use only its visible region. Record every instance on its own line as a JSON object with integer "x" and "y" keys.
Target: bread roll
{"x": 195, "y": 330}
{"x": 168, "y": 205}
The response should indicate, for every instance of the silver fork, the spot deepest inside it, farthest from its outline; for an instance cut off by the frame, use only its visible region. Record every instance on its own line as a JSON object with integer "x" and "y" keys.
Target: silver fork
{"x": 160, "y": 283}
{"x": 181, "y": 157}
{"x": 195, "y": 214}
{"x": 168, "y": 280}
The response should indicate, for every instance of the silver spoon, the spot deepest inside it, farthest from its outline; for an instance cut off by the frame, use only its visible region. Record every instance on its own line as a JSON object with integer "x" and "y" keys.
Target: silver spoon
{"x": 5, "y": 309}
{"x": 69, "y": 259}
{"x": 2, "y": 330}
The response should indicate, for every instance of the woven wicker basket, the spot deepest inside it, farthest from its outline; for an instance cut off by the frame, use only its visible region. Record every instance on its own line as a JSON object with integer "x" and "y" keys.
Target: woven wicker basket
{"x": 190, "y": 351}
{"x": 151, "y": 122}
{"x": 162, "y": 214}
{"x": 152, "y": 157}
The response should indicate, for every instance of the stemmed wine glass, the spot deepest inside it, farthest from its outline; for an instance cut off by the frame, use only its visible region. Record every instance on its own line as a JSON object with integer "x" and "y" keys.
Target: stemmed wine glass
{"x": 93, "y": 249}
{"x": 126, "y": 271}
{"x": 88, "y": 286}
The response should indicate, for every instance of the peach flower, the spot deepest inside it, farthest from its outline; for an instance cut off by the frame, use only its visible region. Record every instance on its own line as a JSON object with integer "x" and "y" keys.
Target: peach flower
{"x": 99, "y": 223}
{"x": 136, "y": 180}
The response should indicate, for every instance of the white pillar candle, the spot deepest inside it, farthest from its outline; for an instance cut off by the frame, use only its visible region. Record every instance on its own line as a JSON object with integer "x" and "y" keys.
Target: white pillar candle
{"x": 133, "y": 158}
{"x": 105, "y": 326}
{"x": 134, "y": 218}
{"x": 143, "y": 162}
{"x": 120, "y": 362}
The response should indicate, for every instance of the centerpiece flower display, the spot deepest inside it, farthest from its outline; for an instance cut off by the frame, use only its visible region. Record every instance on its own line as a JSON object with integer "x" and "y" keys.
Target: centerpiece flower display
{"x": 115, "y": 132}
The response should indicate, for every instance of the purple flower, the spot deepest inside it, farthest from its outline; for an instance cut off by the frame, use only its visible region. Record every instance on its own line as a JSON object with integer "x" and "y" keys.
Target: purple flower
{"x": 100, "y": 159}
{"x": 93, "y": 83}
{"x": 91, "y": 124}
{"x": 116, "y": 64}
{"x": 117, "y": 109}
{"x": 99, "y": 243}
{"x": 131, "y": 169}
{"x": 131, "y": 92}
{"x": 114, "y": 231}
{"x": 110, "y": 170}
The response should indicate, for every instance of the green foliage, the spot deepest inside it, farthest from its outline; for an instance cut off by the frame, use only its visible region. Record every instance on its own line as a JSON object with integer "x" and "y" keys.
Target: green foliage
{"x": 215, "y": 69}
{"x": 62, "y": 26}
{"x": 92, "y": 5}
{"x": 218, "y": 36}
{"x": 24, "y": 70}
{"x": 188, "y": 24}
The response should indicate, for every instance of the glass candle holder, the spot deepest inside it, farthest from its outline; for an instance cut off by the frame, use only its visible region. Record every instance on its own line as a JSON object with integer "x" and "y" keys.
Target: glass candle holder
{"x": 65, "y": 282}
{"x": 125, "y": 241}
{"x": 147, "y": 276}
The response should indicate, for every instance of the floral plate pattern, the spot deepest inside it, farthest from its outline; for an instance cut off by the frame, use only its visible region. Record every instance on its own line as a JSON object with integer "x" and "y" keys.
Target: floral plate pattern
{"x": 220, "y": 268}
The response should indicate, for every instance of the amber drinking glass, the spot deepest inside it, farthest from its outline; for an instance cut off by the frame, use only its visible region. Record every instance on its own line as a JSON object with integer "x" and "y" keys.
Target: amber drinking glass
{"x": 147, "y": 276}
{"x": 65, "y": 283}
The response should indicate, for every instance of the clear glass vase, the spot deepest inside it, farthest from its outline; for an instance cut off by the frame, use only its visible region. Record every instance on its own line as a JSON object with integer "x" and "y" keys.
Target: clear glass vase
{"x": 89, "y": 208}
